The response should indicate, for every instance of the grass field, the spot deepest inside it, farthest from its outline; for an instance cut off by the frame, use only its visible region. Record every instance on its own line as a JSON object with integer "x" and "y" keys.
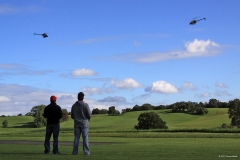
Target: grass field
{"x": 188, "y": 137}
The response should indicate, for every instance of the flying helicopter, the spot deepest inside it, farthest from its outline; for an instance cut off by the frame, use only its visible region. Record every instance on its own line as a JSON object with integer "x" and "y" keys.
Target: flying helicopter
{"x": 194, "y": 21}
{"x": 44, "y": 35}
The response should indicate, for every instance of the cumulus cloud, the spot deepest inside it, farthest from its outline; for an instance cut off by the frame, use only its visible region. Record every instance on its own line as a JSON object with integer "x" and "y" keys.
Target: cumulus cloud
{"x": 21, "y": 99}
{"x": 196, "y": 48}
{"x": 162, "y": 87}
{"x": 188, "y": 86}
{"x": 136, "y": 43}
{"x": 113, "y": 99}
{"x": 4, "y": 99}
{"x": 203, "y": 95}
{"x": 200, "y": 46}
{"x": 91, "y": 90}
{"x": 9, "y": 9}
{"x": 142, "y": 97}
{"x": 127, "y": 83}
{"x": 83, "y": 72}
{"x": 221, "y": 85}
{"x": 222, "y": 93}
{"x": 8, "y": 66}
{"x": 19, "y": 69}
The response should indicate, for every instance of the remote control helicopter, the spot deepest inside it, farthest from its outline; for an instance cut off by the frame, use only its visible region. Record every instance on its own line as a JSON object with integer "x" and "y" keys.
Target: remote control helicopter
{"x": 194, "y": 21}
{"x": 44, "y": 35}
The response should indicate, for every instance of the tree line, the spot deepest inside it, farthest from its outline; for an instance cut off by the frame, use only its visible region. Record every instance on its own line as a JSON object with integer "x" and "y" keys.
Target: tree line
{"x": 185, "y": 107}
{"x": 189, "y": 107}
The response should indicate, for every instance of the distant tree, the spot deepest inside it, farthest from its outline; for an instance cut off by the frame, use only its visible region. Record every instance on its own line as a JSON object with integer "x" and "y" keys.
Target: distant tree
{"x": 136, "y": 108}
{"x": 95, "y": 111}
{"x": 150, "y": 120}
{"x": 3, "y": 116}
{"x": 5, "y": 123}
{"x": 65, "y": 116}
{"x": 128, "y": 109}
{"x": 103, "y": 111}
{"x": 213, "y": 103}
{"x": 200, "y": 109}
{"x": 28, "y": 114}
{"x": 98, "y": 111}
{"x": 147, "y": 106}
{"x": 37, "y": 112}
{"x": 124, "y": 111}
{"x": 234, "y": 112}
{"x": 160, "y": 107}
{"x": 223, "y": 105}
{"x": 112, "y": 111}
{"x": 20, "y": 114}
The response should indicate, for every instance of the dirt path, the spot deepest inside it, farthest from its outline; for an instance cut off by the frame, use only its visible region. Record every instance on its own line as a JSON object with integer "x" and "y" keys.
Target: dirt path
{"x": 60, "y": 143}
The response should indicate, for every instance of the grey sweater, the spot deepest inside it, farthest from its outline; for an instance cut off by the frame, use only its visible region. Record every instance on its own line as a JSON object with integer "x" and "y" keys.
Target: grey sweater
{"x": 81, "y": 114}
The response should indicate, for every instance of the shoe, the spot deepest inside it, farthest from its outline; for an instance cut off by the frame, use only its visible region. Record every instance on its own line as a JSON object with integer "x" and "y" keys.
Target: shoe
{"x": 46, "y": 152}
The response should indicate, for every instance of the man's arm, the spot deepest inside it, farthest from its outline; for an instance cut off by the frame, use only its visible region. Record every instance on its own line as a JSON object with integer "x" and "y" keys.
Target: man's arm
{"x": 88, "y": 112}
{"x": 45, "y": 113}
{"x": 72, "y": 116}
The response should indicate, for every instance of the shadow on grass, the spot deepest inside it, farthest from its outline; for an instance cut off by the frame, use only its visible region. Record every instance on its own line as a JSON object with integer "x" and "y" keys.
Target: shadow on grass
{"x": 183, "y": 112}
{"x": 24, "y": 125}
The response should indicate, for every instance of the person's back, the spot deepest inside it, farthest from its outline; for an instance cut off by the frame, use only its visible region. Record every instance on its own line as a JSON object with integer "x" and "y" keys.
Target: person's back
{"x": 81, "y": 114}
{"x": 53, "y": 113}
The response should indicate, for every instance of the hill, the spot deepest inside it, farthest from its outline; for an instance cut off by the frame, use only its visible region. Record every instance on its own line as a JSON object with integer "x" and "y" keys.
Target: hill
{"x": 214, "y": 119}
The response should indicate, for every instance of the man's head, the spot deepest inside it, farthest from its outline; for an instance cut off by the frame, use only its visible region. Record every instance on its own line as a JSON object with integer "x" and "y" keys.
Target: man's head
{"x": 80, "y": 96}
{"x": 53, "y": 99}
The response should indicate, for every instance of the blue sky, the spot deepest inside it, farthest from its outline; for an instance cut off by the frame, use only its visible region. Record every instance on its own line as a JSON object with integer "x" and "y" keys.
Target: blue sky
{"x": 118, "y": 52}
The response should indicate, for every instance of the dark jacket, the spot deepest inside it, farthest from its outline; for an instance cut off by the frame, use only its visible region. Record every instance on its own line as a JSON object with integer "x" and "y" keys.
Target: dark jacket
{"x": 53, "y": 113}
{"x": 81, "y": 114}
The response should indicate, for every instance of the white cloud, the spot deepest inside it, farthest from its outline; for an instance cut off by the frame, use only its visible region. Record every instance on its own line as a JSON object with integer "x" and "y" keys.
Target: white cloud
{"x": 91, "y": 91}
{"x": 9, "y": 9}
{"x": 21, "y": 99}
{"x": 196, "y": 48}
{"x": 188, "y": 85}
{"x": 162, "y": 87}
{"x": 127, "y": 83}
{"x": 83, "y": 72}
{"x": 221, "y": 85}
{"x": 113, "y": 99}
{"x": 200, "y": 46}
{"x": 142, "y": 97}
{"x": 203, "y": 95}
{"x": 93, "y": 40}
{"x": 4, "y": 99}
{"x": 222, "y": 93}
{"x": 136, "y": 43}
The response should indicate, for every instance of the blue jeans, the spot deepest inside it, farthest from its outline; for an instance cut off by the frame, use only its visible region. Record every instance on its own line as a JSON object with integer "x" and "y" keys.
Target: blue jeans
{"x": 51, "y": 129}
{"x": 77, "y": 133}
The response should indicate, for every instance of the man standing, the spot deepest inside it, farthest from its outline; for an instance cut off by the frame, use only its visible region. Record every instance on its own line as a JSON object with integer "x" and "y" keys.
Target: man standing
{"x": 81, "y": 114}
{"x": 53, "y": 113}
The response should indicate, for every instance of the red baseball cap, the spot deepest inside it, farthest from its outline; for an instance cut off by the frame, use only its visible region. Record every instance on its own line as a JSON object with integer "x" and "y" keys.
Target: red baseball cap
{"x": 53, "y": 98}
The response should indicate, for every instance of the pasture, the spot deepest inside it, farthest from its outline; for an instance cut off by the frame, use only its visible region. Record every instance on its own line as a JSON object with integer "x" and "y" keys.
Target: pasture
{"x": 114, "y": 137}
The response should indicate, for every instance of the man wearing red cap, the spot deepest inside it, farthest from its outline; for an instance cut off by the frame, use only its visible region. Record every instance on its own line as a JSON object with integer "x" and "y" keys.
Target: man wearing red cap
{"x": 53, "y": 113}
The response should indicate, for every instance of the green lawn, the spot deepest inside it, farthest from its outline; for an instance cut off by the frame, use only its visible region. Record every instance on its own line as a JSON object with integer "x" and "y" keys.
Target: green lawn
{"x": 130, "y": 143}
{"x": 135, "y": 148}
{"x": 214, "y": 119}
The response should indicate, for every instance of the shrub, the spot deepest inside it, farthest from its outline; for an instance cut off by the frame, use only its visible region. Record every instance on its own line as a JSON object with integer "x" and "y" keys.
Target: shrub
{"x": 224, "y": 125}
{"x": 150, "y": 120}
{"x": 5, "y": 124}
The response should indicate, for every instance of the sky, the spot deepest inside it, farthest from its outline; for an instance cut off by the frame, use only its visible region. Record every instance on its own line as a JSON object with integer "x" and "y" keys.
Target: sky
{"x": 119, "y": 53}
